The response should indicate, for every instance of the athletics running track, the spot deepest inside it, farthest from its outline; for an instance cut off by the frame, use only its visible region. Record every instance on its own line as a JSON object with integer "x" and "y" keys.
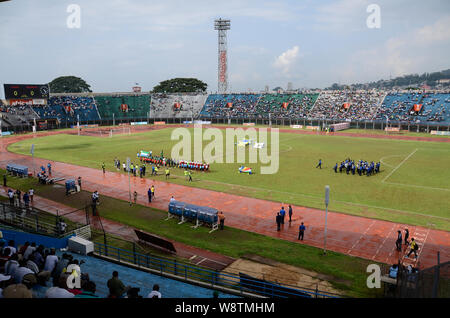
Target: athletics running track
{"x": 352, "y": 235}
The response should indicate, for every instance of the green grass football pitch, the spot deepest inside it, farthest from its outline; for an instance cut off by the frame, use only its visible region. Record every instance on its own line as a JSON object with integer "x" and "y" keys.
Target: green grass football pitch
{"x": 413, "y": 186}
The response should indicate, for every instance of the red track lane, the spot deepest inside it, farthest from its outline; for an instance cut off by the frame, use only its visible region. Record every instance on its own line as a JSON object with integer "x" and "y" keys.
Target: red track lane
{"x": 352, "y": 235}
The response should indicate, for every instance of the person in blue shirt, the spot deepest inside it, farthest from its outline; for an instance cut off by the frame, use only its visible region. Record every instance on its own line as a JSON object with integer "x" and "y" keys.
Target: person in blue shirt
{"x": 320, "y": 164}
{"x": 49, "y": 166}
{"x": 301, "y": 231}
{"x": 393, "y": 271}
{"x": 282, "y": 214}
{"x": 335, "y": 168}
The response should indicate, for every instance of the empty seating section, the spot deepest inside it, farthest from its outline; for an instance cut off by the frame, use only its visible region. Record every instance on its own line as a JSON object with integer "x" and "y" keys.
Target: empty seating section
{"x": 177, "y": 105}
{"x": 230, "y": 105}
{"x": 123, "y": 106}
{"x": 285, "y": 105}
{"x": 401, "y": 107}
{"x": 342, "y": 105}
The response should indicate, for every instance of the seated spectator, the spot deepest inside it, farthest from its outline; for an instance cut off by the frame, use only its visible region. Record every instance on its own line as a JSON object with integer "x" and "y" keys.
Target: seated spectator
{"x": 133, "y": 293}
{"x": 61, "y": 267}
{"x": 50, "y": 261}
{"x": 23, "y": 248}
{"x": 11, "y": 246}
{"x": 155, "y": 292}
{"x": 11, "y": 265}
{"x": 29, "y": 250}
{"x": 116, "y": 287}
{"x": 88, "y": 291}
{"x": 38, "y": 257}
{"x": 21, "y": 271}
{"x": 393, "y": 271}
{"x": 17, "y": 291}
{"x": 59, "y": 291}
{"x": 5, "y": 281}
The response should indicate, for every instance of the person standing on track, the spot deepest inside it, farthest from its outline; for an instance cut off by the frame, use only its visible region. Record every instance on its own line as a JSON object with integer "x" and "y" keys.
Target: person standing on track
{"x": 149, "y": 194}
{"x": 290, "y": 213}
{"x": 278, "y": 220}
{"x": 399, "y": 241}
{"x": 301, "y": 231}
{"x": 153, "y": 191}
{"x": 406, "y": 236}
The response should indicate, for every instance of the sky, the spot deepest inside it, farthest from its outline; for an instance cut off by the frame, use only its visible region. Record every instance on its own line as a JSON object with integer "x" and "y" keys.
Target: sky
{"x": 311, "y": 44}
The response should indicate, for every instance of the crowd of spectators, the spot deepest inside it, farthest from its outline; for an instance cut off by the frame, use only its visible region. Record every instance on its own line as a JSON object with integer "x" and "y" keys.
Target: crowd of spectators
{"x": 399, "y": 106}
{"x": 297, "y": 106}
{"x": 24, "y": 267}
{"x": 231, "y": 105}
{"x": 17, "y": 114}
{"x": 75, "y": 105}
{"x": 346, "y": 105}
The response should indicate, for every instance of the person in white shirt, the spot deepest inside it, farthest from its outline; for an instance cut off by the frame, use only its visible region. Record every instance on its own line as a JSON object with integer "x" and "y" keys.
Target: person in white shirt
{"x": 57, "y": 292}
{"x": 155, "y": 292}
{"x": 12, "y": 249}
{"x": 30, "y": 249}
{"x": 51, "y": 261}
{"x": 21, "y": 272}
{"x": 31, "y": 193}
{"x": 172, "y": 199}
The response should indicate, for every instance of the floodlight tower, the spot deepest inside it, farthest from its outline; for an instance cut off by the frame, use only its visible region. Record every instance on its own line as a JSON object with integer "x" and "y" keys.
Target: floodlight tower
{"x": 222, "y": 26}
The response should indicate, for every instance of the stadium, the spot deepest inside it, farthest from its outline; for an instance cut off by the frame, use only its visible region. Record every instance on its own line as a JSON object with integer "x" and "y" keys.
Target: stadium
{"x": 296, "y": 193}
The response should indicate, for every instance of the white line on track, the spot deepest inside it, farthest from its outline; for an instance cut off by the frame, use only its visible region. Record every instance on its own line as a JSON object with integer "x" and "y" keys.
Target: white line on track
{"x": 384, "y": 241}
{"x": 401, "y": 163}
{"x": 319, "y": 198}
{"x": 362, "y": 235}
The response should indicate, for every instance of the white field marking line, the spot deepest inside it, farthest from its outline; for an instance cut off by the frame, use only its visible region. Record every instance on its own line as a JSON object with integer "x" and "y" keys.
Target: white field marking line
{"x": 391, "y": 166}
{"x": 401, "y": 163}
{"x": 233, "y": 152}
{"x": 192, "y": 257}
{"x": 321, "y": 199}
{"x": 384, "y": 241}
{"x": 416, "y": 186}
{"x": 362, "y": 235}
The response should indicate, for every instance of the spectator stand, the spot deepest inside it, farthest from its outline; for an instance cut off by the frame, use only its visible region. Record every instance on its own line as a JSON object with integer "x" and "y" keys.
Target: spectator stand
{"x": 193, "y": 213}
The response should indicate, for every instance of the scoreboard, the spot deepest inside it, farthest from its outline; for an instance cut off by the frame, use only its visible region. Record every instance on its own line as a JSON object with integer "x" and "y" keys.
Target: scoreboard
{"x": 26, "y": 91}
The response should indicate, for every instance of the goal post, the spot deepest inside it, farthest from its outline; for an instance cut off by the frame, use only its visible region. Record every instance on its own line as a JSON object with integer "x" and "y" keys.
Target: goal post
{"x": 120, "y": 131}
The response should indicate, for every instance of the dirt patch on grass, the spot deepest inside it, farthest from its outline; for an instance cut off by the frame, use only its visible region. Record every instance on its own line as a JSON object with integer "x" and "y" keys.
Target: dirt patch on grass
{"x": 270, "y": 270}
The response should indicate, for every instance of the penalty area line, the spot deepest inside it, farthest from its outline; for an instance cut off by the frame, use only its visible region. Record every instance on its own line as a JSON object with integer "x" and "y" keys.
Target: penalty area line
{"x": 401, "y": 163}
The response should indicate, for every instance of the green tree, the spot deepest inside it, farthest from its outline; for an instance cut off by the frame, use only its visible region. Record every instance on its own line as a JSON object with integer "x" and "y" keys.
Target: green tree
{"x": 69, "y": 84}
{"x": 181, "y": 85}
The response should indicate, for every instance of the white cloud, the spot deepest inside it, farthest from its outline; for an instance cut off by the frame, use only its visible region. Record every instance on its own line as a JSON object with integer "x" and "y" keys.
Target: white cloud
{"x": 287, "y": 59}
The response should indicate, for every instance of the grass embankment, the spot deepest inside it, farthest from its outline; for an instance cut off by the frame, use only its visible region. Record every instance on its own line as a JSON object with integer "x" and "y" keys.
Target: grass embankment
{"x": 349, "y": 273}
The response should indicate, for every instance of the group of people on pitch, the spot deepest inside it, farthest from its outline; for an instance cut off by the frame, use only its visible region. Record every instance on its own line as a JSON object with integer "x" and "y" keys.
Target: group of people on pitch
{"x": 361, "y": 167}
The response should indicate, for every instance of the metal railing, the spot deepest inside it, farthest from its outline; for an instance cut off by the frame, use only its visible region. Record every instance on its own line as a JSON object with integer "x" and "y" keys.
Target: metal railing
{"x": 212, "y": 278}
{"x": 34, "y": 221}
